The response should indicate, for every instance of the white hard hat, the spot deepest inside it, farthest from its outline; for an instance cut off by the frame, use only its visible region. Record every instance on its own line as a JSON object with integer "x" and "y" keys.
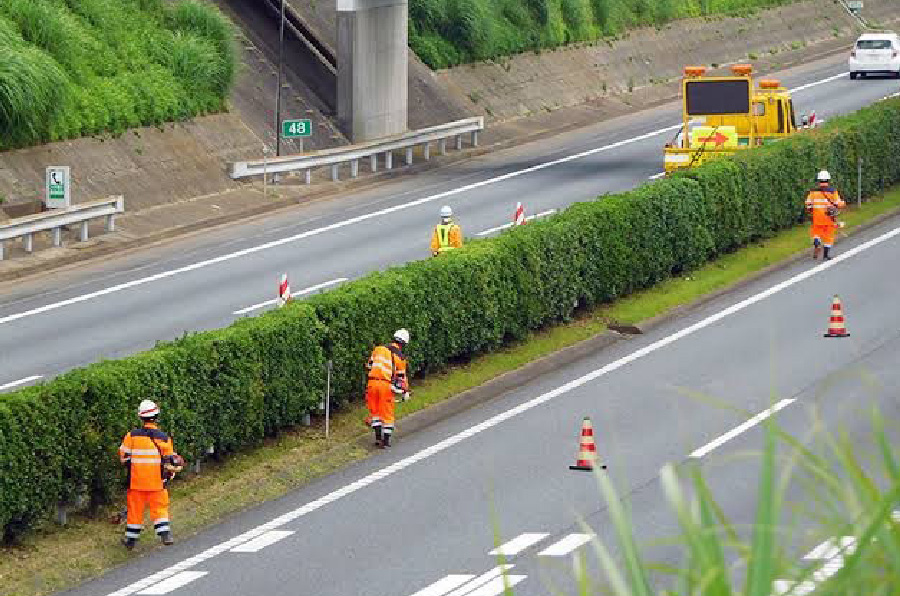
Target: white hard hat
{"x": 446, "y": 211}
{"x": 823, "y": 176}
{"x": 402, "y": 335}
{"x": 148, "y": 409}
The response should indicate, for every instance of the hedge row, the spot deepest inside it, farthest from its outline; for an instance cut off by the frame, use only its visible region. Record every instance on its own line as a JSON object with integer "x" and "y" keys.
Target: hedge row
{"x": 231, "y": 388}
{"x": 449, "y": 32}
{"x": 72, "y": 68}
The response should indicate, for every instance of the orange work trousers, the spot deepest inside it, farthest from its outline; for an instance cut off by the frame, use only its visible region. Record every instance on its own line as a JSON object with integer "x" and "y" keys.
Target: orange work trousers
{"x": 380, "y": 401}
{"x": 156, "y": 501}
{"x": 824, "y": 232}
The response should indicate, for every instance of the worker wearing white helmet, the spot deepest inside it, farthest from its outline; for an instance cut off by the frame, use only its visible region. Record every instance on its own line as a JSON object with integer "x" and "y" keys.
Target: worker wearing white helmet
{"x": 151, "y": 459}
{"x": 447, "y": 234}
{"x": 386, "y": 377}
{"x": 824, "y": 204}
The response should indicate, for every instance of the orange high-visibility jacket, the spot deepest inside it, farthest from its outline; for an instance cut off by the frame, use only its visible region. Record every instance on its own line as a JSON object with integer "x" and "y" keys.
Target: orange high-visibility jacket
{"x": 143, "y": 449}
{"x": 446, "y": 237}
{"x": 387, "y": 363}
{"x": 819, "y": 200}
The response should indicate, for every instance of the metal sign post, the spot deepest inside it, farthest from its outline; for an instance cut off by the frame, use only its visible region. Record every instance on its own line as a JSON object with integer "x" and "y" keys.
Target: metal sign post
{"x": 57, "y": 189}
{"x": 328, "y": 398}
{"x": 859, "y": 182}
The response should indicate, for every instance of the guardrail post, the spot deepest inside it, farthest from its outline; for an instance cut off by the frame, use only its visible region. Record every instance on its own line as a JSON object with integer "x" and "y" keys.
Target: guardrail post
{"x": 334, "y": 172}
{"x": 309, "y": 176}
{"x": 427, "y": 149}
{"x": 474, "y": 138}
{"x": 388, "y": 160}
{"x": 373, "y": 162}
{"x": 459, "y": 142}
{"x": 354, "y": 168}
{"x": 57, "y": 237}
{"x": 29, "y": 242}
{"x": 409, "y": 156}
{"x": 111, "y": 223}
{"x": 84, "y": 231}
{"x": 2, "y": 245}
{"x": 443, "y": 146}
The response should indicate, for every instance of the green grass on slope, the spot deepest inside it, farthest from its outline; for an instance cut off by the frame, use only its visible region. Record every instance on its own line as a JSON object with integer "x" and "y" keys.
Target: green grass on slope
{"x": 449, "y": 32}
{"x": 72, "y": 68}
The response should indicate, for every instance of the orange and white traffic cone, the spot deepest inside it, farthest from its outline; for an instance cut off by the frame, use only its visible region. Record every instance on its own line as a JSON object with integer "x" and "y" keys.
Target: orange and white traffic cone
{"x": 836, "y": 326}
{"x": 519, "y": 218}
{"x": 587, "y": 450}
{"x": 284, "y": 290}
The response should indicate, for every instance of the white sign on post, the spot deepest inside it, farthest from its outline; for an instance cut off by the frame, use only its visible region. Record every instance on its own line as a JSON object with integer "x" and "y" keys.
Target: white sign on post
{"x": 57, "y": 190}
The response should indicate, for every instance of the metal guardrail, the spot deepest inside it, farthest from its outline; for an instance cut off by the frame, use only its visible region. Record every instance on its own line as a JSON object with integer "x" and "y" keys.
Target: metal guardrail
{"x": 53, "y": 221}
{"x": 371, "y": 150}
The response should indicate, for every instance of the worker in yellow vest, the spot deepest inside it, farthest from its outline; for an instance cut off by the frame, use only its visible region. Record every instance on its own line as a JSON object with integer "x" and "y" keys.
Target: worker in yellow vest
{"x": 447, "y": 234}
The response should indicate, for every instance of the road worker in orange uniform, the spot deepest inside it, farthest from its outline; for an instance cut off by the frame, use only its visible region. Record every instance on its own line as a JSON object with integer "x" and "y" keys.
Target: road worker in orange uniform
{"x": 447, "y": 234}
{"x": 151, "y": 459}
{"x": 387, "y": 377}
{"x": 824, "y": 204}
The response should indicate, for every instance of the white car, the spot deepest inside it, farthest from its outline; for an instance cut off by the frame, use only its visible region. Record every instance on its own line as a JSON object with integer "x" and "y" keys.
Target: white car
{"x": 875, "y": 53}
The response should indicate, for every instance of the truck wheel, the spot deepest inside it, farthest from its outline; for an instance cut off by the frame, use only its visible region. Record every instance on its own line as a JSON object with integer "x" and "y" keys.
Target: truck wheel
{"x": 853, "y": 75}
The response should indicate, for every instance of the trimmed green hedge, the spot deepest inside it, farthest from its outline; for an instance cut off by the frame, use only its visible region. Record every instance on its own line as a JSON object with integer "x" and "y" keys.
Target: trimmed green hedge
{"x": 73, "y": 68}
{"x": 232, "y": 387}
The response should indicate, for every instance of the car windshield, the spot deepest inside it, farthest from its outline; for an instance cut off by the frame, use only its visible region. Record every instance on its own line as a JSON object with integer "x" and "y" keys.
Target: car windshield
{"x": 874, "y": 44}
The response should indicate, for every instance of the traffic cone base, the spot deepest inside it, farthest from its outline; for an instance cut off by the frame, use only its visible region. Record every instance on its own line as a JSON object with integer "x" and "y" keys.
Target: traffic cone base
{"x": 587, "y": 450}
{"x": 836, "y": 326}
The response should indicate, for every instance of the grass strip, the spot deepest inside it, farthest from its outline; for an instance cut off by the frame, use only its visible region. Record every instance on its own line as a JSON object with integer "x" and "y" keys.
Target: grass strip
{"x": 53, "y": 558}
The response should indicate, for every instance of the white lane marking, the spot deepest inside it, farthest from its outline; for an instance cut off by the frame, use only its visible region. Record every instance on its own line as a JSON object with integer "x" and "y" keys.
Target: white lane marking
{"x": 173, "y": 583}
{"x": 261, "y": 542}
{"x": 565, "y": 546}
{"x": 497, "y": 586}
{"x": 830, "y": 551}
{"x": 738, "y": 430}
{"x": 293, "y": 295}
{"x": 20, "y": 382}
{"x": 502, "y": 417}
{"x": 518, "y": 544}
{"x": 481, "y": 580}
{"x": 354, "y": 220}
{"x": 442, "y": 586}
{"x": 819, "y": 82}
{"x": 655, "y": 176}
{"x": 510, "y": 224}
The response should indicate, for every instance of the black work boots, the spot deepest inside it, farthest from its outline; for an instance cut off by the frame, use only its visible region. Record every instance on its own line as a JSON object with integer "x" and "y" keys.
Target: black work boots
{"x": 166, "y": 538}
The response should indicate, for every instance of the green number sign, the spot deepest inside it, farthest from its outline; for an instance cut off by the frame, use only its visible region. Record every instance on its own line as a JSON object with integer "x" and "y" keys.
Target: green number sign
{"x": 292, "y": 129}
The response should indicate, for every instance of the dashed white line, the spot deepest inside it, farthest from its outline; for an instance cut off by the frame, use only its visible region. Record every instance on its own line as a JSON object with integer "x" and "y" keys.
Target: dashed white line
{"x": 830, "y": 551}
{"x": 510, "y": 224}
{"x": 173, "y": 583}
{"x": 518, "y": 544}
{"x": 497, "y": 586}
{"x": 20, "y": 382}
{"x": 656, "y": 176}
{"x": 261, "y": 542}
{"x": 501, "y": 417}
{"x": 481, "y": 580}
{"x": 565, "y": 546}
{"x": 738, "y": 430}
{"x": 442, "y": 586}
{"x": 302, "y": 292}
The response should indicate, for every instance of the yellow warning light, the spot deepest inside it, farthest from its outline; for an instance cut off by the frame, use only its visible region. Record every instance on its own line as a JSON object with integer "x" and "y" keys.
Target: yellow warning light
{"x": 742, "y": 70}
{"x": 769, "y": 84}
{"x": 694, "y": 71}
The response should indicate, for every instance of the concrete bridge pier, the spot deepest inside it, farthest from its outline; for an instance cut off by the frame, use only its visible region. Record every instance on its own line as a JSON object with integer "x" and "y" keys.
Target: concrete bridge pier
{"x": 373, "y": 65}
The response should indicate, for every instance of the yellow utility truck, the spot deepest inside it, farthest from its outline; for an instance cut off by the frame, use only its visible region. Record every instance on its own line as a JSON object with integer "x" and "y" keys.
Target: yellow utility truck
{"x": 724, "y": 114}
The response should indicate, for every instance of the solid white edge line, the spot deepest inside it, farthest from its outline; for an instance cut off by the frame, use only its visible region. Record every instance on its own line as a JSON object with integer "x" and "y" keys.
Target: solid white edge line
{"x": 262, "y": 541}
{"x": 506, "y": 415}
{"x": 716, "y": 443}
{"x": 353, "y": 220}
{"x": 172, "y": 583}
{"x": 656, "y": 176}
{"x": 293, "y": 295}
{"x": 518, "y": 544}
{"x": 442, "y": 586}
{"x": 511, "y": 224}
{"x": 20, "y": 382}
{"x": 563, "y": 547}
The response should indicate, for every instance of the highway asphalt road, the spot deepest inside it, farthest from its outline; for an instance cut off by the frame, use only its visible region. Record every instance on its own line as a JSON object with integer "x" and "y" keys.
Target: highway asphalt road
{"x": 423, "y": 517}
{"x": 120, "y": 306}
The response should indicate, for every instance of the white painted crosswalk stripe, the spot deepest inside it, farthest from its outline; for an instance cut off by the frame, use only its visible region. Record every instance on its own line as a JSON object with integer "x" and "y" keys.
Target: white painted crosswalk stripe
{"x": 566, "y": 545}
{"x": 261, "y": 542}
{"x": 518, "y": 544}
{"x": 442, "y": 586}
{"x": 178, "y": 580}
